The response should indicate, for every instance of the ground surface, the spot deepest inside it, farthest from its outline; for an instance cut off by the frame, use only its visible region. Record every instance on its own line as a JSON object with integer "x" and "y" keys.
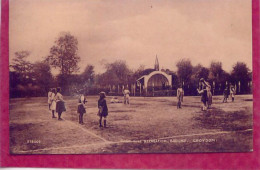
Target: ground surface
{"x": 147, "y": 125}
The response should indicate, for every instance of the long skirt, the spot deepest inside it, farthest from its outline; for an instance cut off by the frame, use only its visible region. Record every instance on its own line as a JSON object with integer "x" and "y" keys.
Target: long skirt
{"x": 60, "y": 107}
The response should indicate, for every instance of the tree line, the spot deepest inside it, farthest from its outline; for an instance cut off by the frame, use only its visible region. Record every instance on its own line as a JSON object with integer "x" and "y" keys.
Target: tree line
{"x": 29, "y": 79}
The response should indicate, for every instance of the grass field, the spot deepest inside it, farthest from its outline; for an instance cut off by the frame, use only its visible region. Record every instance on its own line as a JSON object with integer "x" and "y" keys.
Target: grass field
{"x": 147, "y": 125}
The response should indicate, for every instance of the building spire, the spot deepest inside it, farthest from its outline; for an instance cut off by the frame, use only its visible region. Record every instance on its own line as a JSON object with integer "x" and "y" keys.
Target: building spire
{"x": 156, "y": 65}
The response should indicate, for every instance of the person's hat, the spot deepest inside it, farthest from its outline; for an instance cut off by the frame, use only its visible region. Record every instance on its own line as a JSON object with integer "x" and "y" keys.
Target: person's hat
{"x": 103, "y": 93}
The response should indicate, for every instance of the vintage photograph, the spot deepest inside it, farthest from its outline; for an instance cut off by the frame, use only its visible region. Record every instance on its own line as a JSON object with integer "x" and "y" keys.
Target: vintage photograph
{"x": 130, "y": 76}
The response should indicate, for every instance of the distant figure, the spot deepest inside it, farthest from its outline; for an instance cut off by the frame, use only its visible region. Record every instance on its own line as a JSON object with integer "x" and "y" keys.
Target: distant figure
{"x": 53, "y": 102}
{"x": 60, "y": 104}
{"x": 102, "y": 109}
{"x": 180, "y": 94}
{"x": 126, "y": 93}
{"x": 209, "y": 94}
{"x": 115, "y": 100}
{"x": 225, "y": 93}
{"x": 81, "y": 107}
{"x": 49, "y": 98}
{"x": 202, "y": 90}
{"x": 232, "y": 92}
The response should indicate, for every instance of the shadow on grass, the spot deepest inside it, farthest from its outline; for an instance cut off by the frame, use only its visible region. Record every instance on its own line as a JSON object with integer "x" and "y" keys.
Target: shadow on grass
{"x": 228, "y": 121}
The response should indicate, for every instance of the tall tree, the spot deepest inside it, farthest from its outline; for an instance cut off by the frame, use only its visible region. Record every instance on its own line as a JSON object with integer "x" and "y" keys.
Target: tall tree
{"x": 21, "y": 66}
{"x": 42, "y": 76}
{"x": 241, "y": 73}
{"x": 184, "y": 70}
{"x": 63, "y": 54}
{"x": 215, "y": 71}
{"x": 116, "y": 73}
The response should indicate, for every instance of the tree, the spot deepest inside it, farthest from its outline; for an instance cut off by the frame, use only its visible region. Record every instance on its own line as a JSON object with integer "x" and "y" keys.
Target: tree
{"x": 63, "y": 54}
{"x": 215, "y": 71}
{"x": 42, "y": 76}
{"x": 116, "y": 73}
{"x": 88, "y": 74}
{"x": 184, "y": 70}
{"x": 21, "y": 66}
{"x": 241, "y": 73}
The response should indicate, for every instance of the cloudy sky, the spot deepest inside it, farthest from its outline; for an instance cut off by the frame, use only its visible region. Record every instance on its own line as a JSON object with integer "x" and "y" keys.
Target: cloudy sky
{"x": 136, "y": 30}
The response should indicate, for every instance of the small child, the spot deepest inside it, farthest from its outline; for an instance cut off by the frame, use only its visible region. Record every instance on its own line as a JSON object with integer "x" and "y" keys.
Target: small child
{"x": 53, "y": 102}
{"x": 81, "y": 108}
{"x": 225, "y": 93}
{"x": 49, "y": 98}
{"x": 102, "y": 109}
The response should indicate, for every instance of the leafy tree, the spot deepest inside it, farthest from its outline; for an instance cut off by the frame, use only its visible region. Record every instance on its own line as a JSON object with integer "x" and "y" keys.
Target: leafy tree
{"x": 21, "y": 66}
{"x": 241, "y": 73}
{"x": 184, "y": 70}
{"x": 42, "y": 76}
{"x": 116, "y": 73}
{"x": 63, "y": 54}
{"x": 215, "y": 71}
{"x": 88, "y": 74}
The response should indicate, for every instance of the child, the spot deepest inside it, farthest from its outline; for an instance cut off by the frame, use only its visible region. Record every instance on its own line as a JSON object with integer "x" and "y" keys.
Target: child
{"x": 103, "y": 110}
{"x": 81, "y": 108}
{"x": 60, "y": 104}
{"x": 203, "y": 92}
{"x": 180, "y": 94}
{"x": 53, "y": 102}
{"x": 225, "y": 93}
{"x": 49, "y": 98}
{"x": 126, "y": 93}
{"x": 232, "y": 93}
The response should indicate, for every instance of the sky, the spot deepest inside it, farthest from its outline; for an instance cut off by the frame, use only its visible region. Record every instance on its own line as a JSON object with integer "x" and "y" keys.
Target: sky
{"x": 136, "y": 30}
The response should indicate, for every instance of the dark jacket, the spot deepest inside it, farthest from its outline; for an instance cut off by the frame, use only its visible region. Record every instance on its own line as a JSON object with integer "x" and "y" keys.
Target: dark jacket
{"x": 103, "y": 105}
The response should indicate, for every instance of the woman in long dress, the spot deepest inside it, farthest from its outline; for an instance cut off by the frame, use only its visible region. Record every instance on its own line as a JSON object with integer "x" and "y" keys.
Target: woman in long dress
{"x": 60, "y": 104}
{"x": 203, "y": 92}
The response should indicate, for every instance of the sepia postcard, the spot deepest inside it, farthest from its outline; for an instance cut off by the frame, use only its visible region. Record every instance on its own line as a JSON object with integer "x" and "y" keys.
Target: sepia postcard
{"x": 133, "y": 76}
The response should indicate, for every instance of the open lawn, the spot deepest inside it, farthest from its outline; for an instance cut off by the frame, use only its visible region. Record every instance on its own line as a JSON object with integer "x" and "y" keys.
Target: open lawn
{"x": 147, "y": 125}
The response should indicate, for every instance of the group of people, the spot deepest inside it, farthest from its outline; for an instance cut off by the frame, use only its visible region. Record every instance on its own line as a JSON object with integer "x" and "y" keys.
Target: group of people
{"x": 206, "y": 96}
{"x": 232, "y": 93}
{"x": 56, "y": 102}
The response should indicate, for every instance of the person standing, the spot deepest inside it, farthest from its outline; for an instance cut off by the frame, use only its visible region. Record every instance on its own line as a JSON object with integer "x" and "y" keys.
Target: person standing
{"x": 102, "y": 109}
{"x": 126, "y": 93}
{"x": 49, "y": 98}
{"x": 60, "y": 104}
{"x": 203, "y": 92}
{"x": 81, "y": 108}
{"x": 225, "y": 93}
{"x": 232, "y": 92}
{"x": 180, "y": 94}
{"x": 209, "y": 94}
{"x": 53, "y": 102}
